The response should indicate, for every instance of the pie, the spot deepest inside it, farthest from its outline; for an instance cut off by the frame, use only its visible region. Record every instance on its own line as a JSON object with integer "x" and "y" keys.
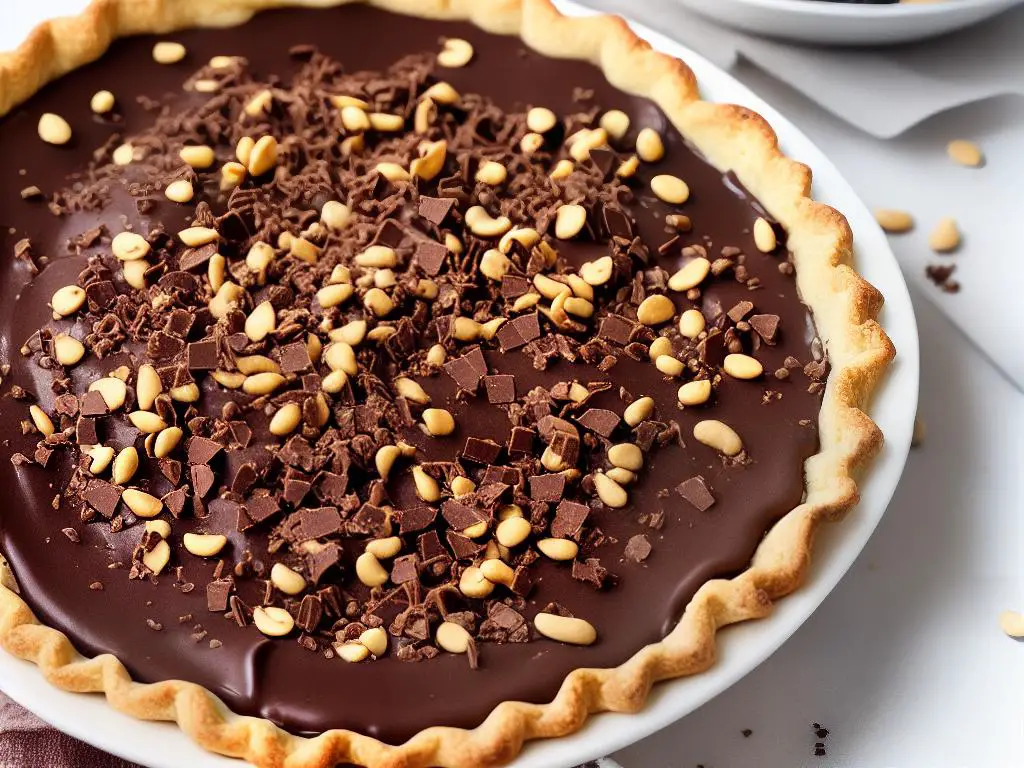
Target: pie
{"x": 394, "y": 389}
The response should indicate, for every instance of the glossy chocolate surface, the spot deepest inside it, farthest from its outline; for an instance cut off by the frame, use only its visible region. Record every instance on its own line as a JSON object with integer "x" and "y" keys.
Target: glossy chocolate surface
{"x": 278, "y": 679}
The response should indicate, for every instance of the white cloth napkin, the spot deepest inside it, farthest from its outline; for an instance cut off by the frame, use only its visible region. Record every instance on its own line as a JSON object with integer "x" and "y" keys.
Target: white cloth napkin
{"x": 865, "y": 87}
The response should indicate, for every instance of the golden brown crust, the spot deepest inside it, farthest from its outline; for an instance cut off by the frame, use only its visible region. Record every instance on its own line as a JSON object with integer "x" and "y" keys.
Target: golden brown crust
{"x": 731, "y": 137}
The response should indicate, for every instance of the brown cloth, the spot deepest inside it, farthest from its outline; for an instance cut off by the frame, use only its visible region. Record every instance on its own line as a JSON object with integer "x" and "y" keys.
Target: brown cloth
{"x": 28, "y": 742}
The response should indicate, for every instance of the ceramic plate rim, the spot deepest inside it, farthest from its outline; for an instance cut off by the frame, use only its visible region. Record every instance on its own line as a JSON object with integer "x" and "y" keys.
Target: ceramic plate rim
{"x": 842, "y": 10}
{"x": 742, "y": 648}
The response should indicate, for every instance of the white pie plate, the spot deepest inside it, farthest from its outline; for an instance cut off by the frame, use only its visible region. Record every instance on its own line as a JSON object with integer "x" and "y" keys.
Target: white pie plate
{"x": 743, "y": 647}
{"x": 824, "y": 23}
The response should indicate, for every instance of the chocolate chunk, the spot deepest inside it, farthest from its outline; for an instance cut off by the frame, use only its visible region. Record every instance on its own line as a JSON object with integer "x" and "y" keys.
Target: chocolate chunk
{"x": 480, "y": 451}
{"x": 403, "y": 569}
{"x": 297, "y": 453}
{"x": 514, "y": 286}
{"x": 321, "y": 559}
{"x": 175, "y": 501}
{"x": 500, "y": 388}
{"x": 429, "y": 546}
{"x": 103, "y": 497}
{"x": 468, "y": 370}
{"x": 316, "y": 523}
{"x": 100, "y": 295}
{"x": 202, "y": 355}
{"x": 260, "y": 508}
{"x": 310, "y": 612}
{"x": 460, "y": 516}
{"x": 93, "y": 404}
{"x": 519, "y": 331}
{"x": 370, "y": 520}
{"x": 600, "y": 420}
{"x": 712, "y": 349}
{"x": 239, "y": 611}
{"x": 391, "y": 234}
{"x": 463, "y": 547}
{"x": 42, "y": 454}
{"x": 606, "y": 162}
{"x": 415, "y": 519}
{"x": 295, "y": 358}
{"x": 638, "y": 548}
{"x": 590, "y": 571}
{"x": 295, "y": 491}
{"x": 567, "y": 446}
{"x": 617, "y": 329}
{"x": 510, "y": 476}
{"x": 522, "y": 582}
{"x": 431, "y": 257}
{"x": 85, "y": 431}
{"x": 332, "y": 487}
{"x": 697, "y": 491}
{"x": 244, "y": 478}
{"x": 180, "y": 283}
{"x": 179, "y": 323}
{"x": 520, "y": 442}
{"x": 202, "y": 480}
{"x": 435, "y": 209}
{"x": 569, "y": 519}
{"x": 547, "y": 487}
{"x": 217, "y": 594}
{"x": 194, "y": 258}
{"x": 201, "y": 450}
{"x": 616, "y": 221}
{"x": 163, "y": 346}
{"x": 490, "y": 492}
{"x": 766, "y": 326}
{"x": 241, "y": 432}
{"x": 740, "y": 310}
{"x": 504, "y": 625}
{"x": 171, "y": 469}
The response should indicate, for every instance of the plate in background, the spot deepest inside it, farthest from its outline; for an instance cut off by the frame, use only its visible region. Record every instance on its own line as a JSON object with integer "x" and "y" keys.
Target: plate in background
{"x": 836, "y": 23}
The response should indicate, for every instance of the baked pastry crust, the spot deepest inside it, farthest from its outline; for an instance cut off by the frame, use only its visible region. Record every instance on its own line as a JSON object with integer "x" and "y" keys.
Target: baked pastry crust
{"x": 845, "y": 309}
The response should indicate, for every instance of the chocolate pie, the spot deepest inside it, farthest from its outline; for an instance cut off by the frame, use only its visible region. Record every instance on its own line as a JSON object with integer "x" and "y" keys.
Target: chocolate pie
{"x": 366, "y": 373}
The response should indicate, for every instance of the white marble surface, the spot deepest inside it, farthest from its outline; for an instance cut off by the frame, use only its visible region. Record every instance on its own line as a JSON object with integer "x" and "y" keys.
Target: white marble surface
{"x": 904, "y": 663}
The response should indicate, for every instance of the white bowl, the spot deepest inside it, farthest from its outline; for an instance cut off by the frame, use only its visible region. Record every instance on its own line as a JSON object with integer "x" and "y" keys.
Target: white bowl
{"x": 741, "y": 648}
{"x": 825, "y": 23}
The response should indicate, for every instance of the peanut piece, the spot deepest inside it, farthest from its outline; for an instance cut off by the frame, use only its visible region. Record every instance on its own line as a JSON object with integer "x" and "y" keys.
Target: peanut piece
{"x": 166, "y": 52}
{"x": 456, "y": 53}
{"x": 452, "y": 637}
{"x": 141, "y": 503}
{"x": 764, "y": 236}
{"x": 54, "y": 129}
{"x": 272, "y": 621}
{"x": 655, "y": 309}
{"x": 717, "y": 435}
{"x": 287, "y": 580}
{"x": 369, "y": 570}
{"x": 670, "y": 189}
{"x": 742, "y": 366}
{"x": 695, "y": 392}
{"x": 67, "y": 300}
{"x": 204, "y": 544}
{"x": 565, "y": 629}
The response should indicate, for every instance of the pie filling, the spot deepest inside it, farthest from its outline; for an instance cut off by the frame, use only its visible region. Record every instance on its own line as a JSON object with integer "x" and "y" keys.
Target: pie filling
{"x": 436, "y": 390}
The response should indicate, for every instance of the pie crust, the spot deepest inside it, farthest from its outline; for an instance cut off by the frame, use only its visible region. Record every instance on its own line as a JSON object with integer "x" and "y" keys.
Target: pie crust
{"x": 844, "y": 306}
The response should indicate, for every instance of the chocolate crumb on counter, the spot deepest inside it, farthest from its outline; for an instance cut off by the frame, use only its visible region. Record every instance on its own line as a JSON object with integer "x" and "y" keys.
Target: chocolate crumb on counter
{"x": 941, "y": 276}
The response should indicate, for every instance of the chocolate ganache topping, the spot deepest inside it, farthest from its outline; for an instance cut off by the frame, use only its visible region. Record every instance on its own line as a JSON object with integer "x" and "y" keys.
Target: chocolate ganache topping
{"x": 372, "y": 371}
